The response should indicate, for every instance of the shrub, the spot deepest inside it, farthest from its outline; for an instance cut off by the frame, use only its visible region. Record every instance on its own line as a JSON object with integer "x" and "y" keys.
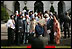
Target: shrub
{"x": 52, "y": 9}
{"x": 4, "y": 14}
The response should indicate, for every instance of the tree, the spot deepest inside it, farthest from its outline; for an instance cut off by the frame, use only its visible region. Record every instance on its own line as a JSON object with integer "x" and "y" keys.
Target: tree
{"x": 4, "y": 14}
{"x": 25, "y": 8}
{"x": 52, "y": 9}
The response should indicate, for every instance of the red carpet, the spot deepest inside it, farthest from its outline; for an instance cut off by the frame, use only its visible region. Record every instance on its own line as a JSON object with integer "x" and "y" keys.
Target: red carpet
{"x": 29, "y": 46}
{"x": 49, "y": 46}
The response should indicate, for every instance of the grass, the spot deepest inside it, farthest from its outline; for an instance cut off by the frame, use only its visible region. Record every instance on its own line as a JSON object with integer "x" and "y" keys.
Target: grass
{"x": 13, "y": 46}
{"x": 26, "y": 46}
{"x": 63, "y": 46}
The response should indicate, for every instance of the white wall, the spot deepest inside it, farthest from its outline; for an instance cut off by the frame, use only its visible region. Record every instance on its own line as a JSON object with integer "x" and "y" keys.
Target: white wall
{"x": 21, "y": 5}
{"x": 68, "y": 4}
{"x": 55, "y": 5}
{"x": 9, "y": 5}
{"x": 46, "y": 5}
{"x": 30, "y": 5}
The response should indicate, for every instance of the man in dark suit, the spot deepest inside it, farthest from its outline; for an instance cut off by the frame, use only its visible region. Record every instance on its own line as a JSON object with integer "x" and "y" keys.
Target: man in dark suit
{"x": 66, "y": 25}
{"x": 50, "y": 26}
{"x": 20, "y": 30}
{"x": 11, "y": 30}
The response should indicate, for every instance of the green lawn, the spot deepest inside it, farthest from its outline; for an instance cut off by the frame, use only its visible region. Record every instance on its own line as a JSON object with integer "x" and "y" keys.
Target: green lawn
{"x": 13, "y": 46}
{"x": 63, "y": 46}
{"x": 26, "y": 46}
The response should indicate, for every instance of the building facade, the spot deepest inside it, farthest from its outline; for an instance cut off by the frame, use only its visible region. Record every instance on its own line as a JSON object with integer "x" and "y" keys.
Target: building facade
{"x": 37, "y": 6}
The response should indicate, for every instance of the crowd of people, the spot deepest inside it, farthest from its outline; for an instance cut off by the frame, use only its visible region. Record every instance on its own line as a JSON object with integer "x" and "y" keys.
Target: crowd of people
{"x": 24, "y": 24}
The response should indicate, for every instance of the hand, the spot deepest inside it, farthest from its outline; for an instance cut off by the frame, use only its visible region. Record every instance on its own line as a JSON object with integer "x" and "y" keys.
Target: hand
{"x": 48, "y": 31}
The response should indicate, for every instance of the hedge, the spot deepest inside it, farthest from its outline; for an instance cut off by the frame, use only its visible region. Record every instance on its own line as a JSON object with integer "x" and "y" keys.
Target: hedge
{"x": 4, "y": 14}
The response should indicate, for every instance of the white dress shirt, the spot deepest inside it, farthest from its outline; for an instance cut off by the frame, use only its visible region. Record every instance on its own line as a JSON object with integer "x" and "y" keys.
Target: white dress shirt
{"x": 10, "y": 24}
